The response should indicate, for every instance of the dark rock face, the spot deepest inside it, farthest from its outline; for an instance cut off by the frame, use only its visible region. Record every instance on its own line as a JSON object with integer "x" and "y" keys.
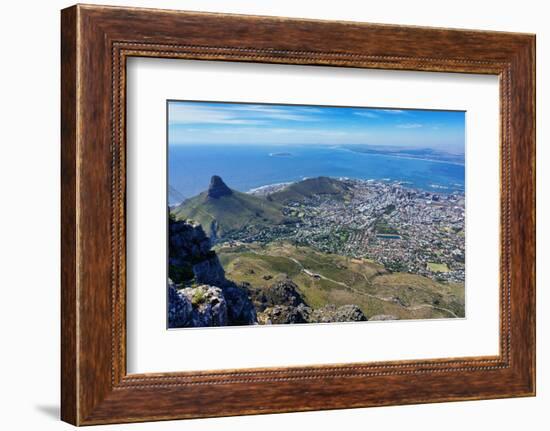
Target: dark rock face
{"x": 210, "y": 271}
{"x": 190, "y": 257}
{"x": 217, "y": 188}
{"x": 240, "y": 309}
{"x": 198, "y": 292}
{"x": 179, "y": 308}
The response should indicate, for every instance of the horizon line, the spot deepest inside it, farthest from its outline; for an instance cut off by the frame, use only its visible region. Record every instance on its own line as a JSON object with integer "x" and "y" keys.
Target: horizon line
{"x": 378, "y": 146}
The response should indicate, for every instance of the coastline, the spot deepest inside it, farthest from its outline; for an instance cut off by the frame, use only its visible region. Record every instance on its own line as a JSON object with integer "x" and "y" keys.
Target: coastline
{"x": 397, "y": 156}
{"x": 438, "y": 188}
{"x": 190, "y": 170}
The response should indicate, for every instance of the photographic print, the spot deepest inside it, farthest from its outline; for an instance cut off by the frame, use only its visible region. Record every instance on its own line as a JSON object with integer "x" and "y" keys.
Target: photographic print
{"x": 292, "y": 214}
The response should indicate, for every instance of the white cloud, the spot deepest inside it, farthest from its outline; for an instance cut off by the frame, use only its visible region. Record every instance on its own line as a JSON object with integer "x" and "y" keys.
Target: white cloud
{"x": 265, "y": 135}
{"x": 409, "y": 126}
{"x": 265, "y": 132}
{"x": 189, "y": 113}
{"x": 367, "y": 114}
{"x": 393, "y": 111}
{"x": 290, "y": 113}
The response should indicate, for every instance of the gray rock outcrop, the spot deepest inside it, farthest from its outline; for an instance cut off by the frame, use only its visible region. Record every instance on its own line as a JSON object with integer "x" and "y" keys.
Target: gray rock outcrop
{"x": 332, "y": 313}
{"x": 384, "y": 317}
{"x": 284, "y": 292}
{"x": 282, "y": 303}
{"x": 196, "y": 307}
{"x": 280, "y": 314}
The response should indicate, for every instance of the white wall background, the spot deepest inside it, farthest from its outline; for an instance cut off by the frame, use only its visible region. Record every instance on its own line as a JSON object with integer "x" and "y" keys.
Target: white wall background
{"x": 29, "y": 216}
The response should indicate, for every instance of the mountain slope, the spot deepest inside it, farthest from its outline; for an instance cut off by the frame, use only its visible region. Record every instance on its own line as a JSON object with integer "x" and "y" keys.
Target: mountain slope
{"x": 328, "y": 279}
{"x": 221, "y": 210}
{"x": 309, "y": 188}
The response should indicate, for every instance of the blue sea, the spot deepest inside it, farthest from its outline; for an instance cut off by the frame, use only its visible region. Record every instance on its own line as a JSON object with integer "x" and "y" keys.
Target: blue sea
{"x": 246, "y": 167}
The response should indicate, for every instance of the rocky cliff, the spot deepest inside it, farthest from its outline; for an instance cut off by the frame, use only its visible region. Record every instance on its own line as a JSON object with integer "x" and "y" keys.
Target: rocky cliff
{"x": 195, "y": 307}
{"x": 217, "y": 188}
{"x": 190, "y": 255}
{"x": 198, "y": 292}
{"x": 282, "y": 303}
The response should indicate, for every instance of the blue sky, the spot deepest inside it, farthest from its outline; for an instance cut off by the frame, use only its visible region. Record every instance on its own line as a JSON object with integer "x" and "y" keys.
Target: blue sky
{"x": 244, "y": 123}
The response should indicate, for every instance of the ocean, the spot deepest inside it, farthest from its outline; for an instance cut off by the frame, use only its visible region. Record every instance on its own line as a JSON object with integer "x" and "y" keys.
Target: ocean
{"x": 247, "y": 166}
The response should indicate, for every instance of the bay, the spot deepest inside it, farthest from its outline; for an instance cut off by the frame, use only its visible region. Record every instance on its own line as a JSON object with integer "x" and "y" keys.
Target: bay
{"x": 244, "y": 167}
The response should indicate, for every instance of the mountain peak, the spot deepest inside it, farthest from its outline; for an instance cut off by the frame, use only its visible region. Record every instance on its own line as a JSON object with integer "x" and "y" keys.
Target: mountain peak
{"x": 218, "y": 188}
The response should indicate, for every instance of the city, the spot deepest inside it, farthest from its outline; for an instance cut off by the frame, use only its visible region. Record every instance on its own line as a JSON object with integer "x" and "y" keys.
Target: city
{"x": 404, "y": 229}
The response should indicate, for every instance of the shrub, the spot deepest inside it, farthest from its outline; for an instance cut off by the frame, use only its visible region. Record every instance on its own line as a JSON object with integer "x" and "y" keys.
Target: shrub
{"x": 181, "y": 273}
{"x": 198, "y": 297}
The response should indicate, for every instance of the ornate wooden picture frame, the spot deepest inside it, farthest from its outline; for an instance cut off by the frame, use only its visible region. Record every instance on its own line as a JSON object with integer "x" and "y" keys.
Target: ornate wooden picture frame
{"x": 96, "y": 41}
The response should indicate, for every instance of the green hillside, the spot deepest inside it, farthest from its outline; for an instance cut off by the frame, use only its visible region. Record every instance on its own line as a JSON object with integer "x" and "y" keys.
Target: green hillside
{"x": 331, "y": 279}
{"x": 311, "y": 187}
{"x": 230, "y": 212}
{"x": 221, "y": 210}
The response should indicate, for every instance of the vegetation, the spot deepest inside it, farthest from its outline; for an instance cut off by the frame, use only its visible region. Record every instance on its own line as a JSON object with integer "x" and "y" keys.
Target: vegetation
{"x": 181, "y": 273}
{"x": 438, "y": 267}
{"x": 309, "y": 232}
{"x": 198, "y": 297}
{"x": 219, "y": 216}
{"x": 324, "y": 278}
{"x": 236, "y": 211}
{"x": 310, "y": 187}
